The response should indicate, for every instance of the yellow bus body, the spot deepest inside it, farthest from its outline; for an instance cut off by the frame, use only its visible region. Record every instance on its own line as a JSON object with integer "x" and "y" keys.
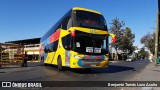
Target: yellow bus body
{"x": 75, "y": 57}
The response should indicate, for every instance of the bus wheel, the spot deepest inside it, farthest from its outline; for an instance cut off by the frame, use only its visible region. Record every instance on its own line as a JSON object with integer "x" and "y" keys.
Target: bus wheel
{"x": 44, "y": 64}
{"x": 87, "y": 69}
{"x": 59, "y": 64}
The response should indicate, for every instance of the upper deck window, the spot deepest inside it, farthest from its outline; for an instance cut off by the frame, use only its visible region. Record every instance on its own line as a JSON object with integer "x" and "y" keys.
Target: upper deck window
{"x": 90, "y": 20}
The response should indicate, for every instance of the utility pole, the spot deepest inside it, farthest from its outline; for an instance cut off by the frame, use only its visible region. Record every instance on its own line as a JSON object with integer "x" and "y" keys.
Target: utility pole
{"x": 157, "y": 33}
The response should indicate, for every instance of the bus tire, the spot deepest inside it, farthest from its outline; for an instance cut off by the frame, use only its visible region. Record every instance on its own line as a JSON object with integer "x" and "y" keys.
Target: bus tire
{"x": 88, "y": 69}
{"x": 59, "y": 64}
{"x": 44, "y": 64}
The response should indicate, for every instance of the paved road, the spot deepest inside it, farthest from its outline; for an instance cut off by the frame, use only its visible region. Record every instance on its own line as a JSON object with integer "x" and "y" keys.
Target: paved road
{"x": 117, "y": 71}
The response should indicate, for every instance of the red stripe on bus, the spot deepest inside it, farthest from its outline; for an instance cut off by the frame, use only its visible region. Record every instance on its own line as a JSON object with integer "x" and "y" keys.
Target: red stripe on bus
{"x": 55, "y": 36}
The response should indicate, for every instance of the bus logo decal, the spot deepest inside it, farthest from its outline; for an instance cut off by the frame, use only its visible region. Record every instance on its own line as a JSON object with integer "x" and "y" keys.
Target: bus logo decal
{"x": 54, "y": 37}
{"x": 92, "y": 31}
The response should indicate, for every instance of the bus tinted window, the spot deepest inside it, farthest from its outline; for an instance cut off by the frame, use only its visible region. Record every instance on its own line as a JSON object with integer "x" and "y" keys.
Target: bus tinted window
{"x": 94, "y": 44}
{"x": 65, "y": 22}
{"x": 90, "y": 20}
{"x": 66, "y": 42}
{"x": 62, "y": 22}
{"x": 51, "y": 31}
{"x": 53, "y": 46}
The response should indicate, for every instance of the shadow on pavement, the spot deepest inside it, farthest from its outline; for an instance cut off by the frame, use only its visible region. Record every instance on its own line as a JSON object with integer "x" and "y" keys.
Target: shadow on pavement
{"x": 34, "y": 64}
{"x": 110, "y": 69}
{"x": 2, "y": 72}
{"x": 29, "y": 64}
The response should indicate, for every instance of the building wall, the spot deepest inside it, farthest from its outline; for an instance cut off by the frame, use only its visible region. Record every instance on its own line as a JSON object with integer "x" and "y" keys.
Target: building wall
{"x": 33, "y": 51}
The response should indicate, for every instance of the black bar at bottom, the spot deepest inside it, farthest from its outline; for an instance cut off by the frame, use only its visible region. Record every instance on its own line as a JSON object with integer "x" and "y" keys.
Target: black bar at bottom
{"x": 80, "y": 84}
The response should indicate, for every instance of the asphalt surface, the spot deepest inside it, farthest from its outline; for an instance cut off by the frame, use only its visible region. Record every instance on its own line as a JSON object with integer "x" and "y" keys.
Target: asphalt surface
{"x": 117, "y": 71}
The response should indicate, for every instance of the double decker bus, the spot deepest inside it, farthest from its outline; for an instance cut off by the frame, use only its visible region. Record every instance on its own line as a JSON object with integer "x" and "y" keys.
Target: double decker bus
{"x": 78, "y": 40}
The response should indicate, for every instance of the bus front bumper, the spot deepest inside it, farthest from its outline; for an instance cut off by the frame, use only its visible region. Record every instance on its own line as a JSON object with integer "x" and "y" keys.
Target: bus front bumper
{"x": 87, "y": 64}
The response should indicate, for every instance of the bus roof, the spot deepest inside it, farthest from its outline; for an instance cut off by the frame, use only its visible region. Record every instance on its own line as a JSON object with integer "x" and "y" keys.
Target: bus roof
{"x": 85, "y": 9}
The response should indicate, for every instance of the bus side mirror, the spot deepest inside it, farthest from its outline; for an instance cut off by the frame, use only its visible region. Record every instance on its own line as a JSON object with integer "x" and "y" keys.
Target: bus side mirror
{"x": 113, "y": 37}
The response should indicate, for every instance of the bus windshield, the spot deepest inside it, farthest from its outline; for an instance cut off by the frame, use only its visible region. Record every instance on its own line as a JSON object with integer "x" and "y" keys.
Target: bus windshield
{"x": 91, "y": 45}
{"x": 90, "y": 20}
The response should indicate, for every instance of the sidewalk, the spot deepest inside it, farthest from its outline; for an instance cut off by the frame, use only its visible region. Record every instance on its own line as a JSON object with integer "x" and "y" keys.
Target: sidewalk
{"x": 150, "y": 73}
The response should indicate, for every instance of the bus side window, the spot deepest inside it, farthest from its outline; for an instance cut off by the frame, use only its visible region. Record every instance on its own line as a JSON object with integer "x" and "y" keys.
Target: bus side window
{"x": 65, "y": 22}
{"x": 66, "y": 42}
{"x": 51, "y": 46}
{"x": 58, "y": 27}
{"x": 69, "y": 24}
{"x": 46, "y": 49}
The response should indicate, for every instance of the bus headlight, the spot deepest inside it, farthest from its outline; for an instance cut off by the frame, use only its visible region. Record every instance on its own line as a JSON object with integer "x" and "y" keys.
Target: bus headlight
{"x": 77, "y": 57}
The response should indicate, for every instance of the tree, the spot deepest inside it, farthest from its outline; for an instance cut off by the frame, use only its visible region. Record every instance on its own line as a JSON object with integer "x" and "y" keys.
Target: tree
{"x": 116, "y": 29}
{"x": 142, "y": 53}
{"x": 148, "y": 40}
{"x": 127, "y": 40}
{"x": 124, "y": 37}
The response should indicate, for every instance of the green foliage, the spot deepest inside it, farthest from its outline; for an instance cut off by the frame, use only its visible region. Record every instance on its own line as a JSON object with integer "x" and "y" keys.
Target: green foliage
{"x": 116, "y": 29}
{"x": 124, "y": 37}
{"x": 127, "y": 40}
{"x": 142, "y": 53}
{"x": 149, "y": 41}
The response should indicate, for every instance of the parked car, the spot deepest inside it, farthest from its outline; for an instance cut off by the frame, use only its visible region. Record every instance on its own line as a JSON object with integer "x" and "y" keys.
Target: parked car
{"x": 129, "y": 59}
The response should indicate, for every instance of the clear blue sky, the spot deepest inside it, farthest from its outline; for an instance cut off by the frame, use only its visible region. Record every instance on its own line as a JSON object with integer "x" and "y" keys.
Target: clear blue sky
{"x": 25, "y": 19}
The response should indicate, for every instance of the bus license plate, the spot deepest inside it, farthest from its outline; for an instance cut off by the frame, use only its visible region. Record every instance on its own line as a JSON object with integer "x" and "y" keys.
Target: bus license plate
{"x": 93, "y": 65}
